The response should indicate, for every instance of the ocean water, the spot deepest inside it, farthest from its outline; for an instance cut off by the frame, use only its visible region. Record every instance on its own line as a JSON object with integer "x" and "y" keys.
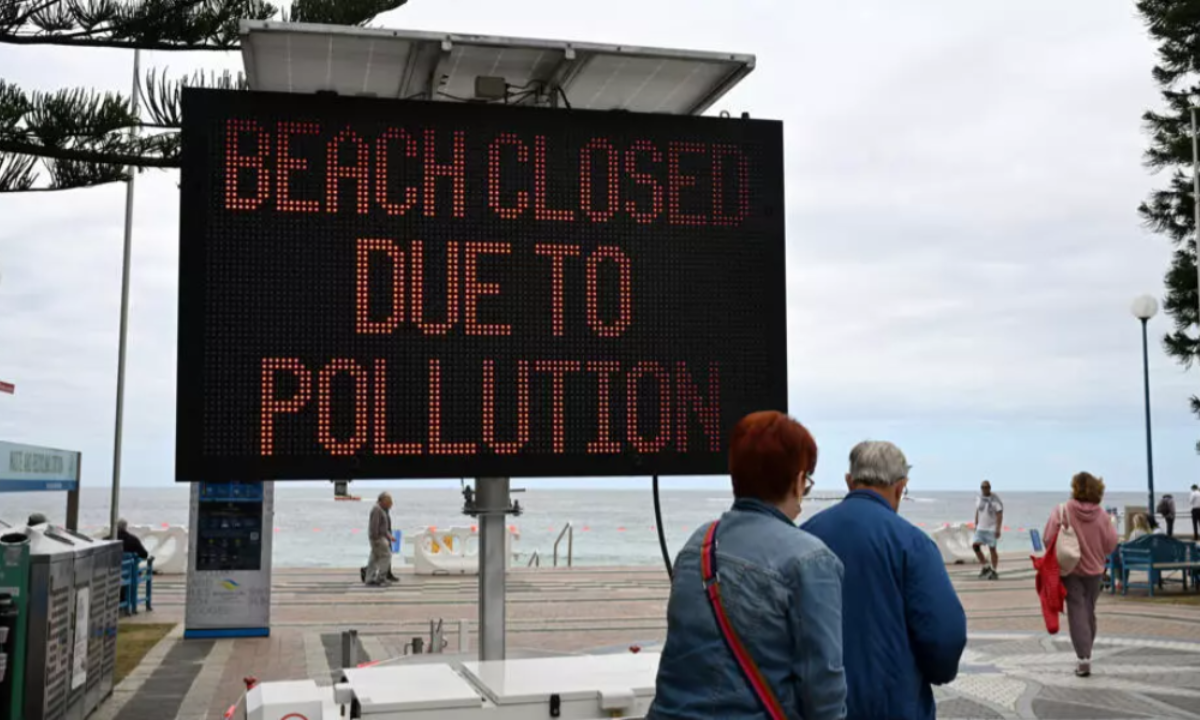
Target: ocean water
{"x": 612, "y": 527}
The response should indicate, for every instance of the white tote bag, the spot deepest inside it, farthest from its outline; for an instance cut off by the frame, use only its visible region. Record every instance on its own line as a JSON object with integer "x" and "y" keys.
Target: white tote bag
{"x": 1067, "y": 543}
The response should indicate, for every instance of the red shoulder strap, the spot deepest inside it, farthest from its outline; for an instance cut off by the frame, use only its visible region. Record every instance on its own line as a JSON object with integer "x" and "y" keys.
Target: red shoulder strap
{"x": 712, "y": 587}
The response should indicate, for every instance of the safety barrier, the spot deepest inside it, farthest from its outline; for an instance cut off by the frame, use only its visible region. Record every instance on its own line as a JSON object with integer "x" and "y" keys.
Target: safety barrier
{"x": 168, "y": 545}
{"x": 954, "y": 542}
{"x": 453, "y": 551}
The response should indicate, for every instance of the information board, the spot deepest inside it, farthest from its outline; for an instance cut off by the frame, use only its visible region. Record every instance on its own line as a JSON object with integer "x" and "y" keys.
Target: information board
{"x": 404, "y": 289}
{"x": 26, "y": 468}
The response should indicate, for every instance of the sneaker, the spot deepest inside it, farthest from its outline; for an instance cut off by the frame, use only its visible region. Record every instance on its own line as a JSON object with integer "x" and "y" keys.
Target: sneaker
{"x": 992, "y": 574}
{"x": 1083, "y": 668}
{"x": 392, "y": 578}
{"x": 984, "y": 572}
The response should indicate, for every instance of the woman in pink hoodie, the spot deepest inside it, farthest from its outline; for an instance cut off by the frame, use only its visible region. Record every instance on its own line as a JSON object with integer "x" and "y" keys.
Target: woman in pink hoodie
{"x": 1097, "y": 540}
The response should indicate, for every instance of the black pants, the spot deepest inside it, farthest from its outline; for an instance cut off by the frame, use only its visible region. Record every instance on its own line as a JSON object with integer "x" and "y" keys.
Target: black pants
{"x": 1196, "y": 524}
{"x": 1170, "y": 521}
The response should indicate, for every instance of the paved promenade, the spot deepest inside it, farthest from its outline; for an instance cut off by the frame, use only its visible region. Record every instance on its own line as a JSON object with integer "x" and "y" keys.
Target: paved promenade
{"x": 1144, "y": 665}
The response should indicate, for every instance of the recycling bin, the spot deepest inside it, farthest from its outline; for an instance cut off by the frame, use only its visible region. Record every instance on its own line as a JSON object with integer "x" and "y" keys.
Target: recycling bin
{"x": 14, "y": 594}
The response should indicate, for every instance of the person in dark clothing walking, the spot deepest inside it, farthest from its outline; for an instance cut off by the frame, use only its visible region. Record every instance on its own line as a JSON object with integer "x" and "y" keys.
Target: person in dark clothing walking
{"x": 1166, "y": 508}
{"x": 904, "y": 628}
{"x": 1194, "y": 501}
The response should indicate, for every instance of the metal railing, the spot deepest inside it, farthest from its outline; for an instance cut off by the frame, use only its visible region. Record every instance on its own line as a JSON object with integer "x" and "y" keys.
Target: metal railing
{"x": 535, "y": 560}
{"x": 569, "y": 531}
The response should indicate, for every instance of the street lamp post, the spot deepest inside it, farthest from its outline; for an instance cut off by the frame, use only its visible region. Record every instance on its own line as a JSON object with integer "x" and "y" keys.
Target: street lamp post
{"x": 1145, "y": 307}
{"x": 114, "y": 509}
{"x": 1196, "y": 196}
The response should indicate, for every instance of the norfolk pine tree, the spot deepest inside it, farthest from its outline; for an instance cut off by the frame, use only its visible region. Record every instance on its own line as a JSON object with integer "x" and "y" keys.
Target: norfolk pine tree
{"x": 1175, "y": 27}
{"x": 74, "y": 138}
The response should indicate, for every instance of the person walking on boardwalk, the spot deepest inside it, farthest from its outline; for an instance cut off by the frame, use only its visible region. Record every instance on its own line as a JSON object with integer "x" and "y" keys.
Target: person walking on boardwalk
{"x": 904, "y": 628}
{"x": 379, "y": 532}
{"x": 1166, "y": 508}
{"x": 989, "y": 521}
{"x": 754, "y": 620}
{"x": 1083, "y": 517}
{"x": 1194, "y": 501}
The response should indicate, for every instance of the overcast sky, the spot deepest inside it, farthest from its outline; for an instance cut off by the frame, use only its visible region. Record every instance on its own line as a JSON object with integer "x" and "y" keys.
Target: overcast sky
{"x": 963, "y": 242}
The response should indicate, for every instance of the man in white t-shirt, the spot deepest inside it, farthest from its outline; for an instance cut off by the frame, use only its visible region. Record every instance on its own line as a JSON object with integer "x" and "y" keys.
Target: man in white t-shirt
{"x": 1194, "y": 501}
{"x": 989, "y": 521}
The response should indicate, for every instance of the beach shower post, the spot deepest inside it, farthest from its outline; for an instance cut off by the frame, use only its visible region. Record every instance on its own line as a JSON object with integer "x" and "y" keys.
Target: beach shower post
{"x": 1145, "y": 307}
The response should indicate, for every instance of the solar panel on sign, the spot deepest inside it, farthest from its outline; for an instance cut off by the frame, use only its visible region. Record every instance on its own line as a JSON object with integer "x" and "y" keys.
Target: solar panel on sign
{"x": 304, "y": 58}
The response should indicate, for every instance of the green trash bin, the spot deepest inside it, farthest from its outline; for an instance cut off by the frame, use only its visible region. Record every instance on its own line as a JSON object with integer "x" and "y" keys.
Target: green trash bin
{"x": 14, "y": 598}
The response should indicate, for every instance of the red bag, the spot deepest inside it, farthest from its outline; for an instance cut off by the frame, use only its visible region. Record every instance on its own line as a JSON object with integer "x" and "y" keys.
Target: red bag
{"x": 1050, "y": 588}
{"x": 712, "y": 587}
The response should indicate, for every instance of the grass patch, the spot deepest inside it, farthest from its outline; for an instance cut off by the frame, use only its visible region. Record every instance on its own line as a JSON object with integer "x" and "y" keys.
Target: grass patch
{"x": 134, "y": 640}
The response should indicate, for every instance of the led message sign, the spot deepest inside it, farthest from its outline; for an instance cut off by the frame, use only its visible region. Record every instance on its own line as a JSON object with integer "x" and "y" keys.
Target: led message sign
{"x": 392, "y": 289}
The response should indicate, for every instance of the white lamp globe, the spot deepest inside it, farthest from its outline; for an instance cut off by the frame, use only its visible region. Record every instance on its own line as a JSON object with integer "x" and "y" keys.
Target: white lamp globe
{"x": 1144, "y": 307}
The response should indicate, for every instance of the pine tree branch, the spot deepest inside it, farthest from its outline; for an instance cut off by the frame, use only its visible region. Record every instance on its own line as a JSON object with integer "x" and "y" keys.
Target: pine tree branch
{"x": 61, "y": 41}
{"x": 30, "y": 13}
{"x": 1174, "y": 26}
{"x": 161, "y": 96}
{"x": 166, "y": 25}
{"x": 80, "y": 138}
{"x": 143, "y": 24}
{"x": 88, "y": 156}
{"x": 16, "y": 171}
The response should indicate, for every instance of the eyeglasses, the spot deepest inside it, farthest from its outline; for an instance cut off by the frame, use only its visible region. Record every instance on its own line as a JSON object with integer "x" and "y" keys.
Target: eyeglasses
{"x": 808, "y": 483}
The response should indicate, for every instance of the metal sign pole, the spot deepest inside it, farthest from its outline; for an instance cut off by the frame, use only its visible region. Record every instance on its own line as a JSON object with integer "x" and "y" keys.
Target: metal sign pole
{"x": 73, "y": 497}
{"x": 492, "y": 498}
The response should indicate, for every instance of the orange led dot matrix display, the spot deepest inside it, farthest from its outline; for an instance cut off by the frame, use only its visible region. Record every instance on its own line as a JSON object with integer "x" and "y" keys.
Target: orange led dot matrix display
{"x": 396, "y": 289}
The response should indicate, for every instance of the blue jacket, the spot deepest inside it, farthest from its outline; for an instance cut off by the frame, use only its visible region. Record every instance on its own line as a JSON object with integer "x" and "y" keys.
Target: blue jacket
{"x": 904, "y": 626}
{"x": 782, "y": 589}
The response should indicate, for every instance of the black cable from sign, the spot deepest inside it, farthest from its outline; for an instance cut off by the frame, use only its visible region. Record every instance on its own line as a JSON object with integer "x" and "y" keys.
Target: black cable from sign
{"x": 563, "y": 94}
{"x": 662, "y": 538}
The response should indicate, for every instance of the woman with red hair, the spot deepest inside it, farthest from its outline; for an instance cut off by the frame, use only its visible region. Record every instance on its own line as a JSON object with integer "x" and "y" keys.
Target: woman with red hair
{"x": 754, "y": 622}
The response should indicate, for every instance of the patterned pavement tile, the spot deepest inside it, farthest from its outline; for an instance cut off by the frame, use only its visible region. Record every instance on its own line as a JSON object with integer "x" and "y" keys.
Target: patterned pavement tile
{"x": 1097, "y": 697}
{"x": 1027, "y": 647}
{"x": 963, "y": 708}
{"x": 1183, "y": 680}
{"x": 1099, "y": 678}
{"x": 1188, "y": 707}
{"x": 996, "y": 688}
{"x": 1011, "y": 669}
{"x": 1053, "y": 710}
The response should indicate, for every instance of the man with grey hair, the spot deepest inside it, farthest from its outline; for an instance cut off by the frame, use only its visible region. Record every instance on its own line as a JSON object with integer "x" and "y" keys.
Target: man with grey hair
{"x": 131, "y": 543}
{"x": 903, "y": 627}
{"x": 379, "y": 532}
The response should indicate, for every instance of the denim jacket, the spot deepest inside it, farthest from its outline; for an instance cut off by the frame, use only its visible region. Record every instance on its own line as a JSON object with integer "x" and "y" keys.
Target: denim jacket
{"x": 782, "y": 589}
